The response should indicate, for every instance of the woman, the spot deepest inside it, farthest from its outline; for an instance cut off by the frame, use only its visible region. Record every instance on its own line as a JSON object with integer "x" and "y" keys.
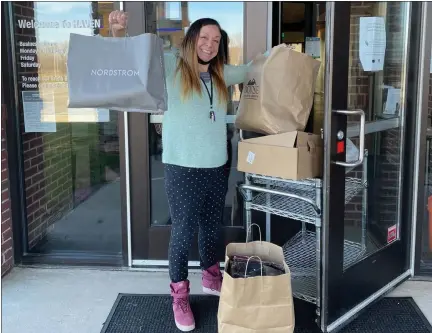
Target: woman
{"x": 195, "y": 152}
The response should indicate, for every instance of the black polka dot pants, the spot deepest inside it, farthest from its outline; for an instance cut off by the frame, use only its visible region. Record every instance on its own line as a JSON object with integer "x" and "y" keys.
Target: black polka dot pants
{"x": 196, "y": 199}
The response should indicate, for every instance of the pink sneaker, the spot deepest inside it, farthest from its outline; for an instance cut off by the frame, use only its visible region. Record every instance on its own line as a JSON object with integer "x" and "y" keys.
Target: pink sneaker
{"x": 183, "y": 315}
{"x": 212, "y": 280}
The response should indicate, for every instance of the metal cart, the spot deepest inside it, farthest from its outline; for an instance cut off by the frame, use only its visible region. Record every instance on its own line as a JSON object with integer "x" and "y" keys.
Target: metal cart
{"x": 301, "y": 201}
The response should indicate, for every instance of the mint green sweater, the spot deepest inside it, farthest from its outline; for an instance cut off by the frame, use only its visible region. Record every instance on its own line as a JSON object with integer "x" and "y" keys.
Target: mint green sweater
{"x": 190, "y": 138}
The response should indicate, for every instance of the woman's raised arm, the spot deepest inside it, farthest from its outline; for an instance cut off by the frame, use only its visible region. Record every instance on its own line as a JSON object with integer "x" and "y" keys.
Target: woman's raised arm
{"x": 118, "y": 21}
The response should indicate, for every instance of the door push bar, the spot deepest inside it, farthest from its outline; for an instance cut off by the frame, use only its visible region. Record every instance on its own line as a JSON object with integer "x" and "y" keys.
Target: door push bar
{"x": 361, "y": 137}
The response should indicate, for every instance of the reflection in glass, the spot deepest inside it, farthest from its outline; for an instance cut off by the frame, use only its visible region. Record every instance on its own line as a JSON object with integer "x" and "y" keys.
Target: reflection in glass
{"x": 171, "y": 29}
{"x": 71, "y": 156}
{"x": 372, "y": 217}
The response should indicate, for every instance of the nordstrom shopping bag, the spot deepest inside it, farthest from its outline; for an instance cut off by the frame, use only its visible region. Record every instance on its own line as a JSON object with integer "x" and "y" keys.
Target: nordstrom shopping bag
{"x": 256, "y": 295}
{"x": 278, "y": 93}
{"x": 123, "y": 74}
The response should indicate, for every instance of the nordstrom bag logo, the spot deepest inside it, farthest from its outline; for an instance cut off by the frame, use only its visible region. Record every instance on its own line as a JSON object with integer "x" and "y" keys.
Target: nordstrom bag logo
{"x": 114, "y": 72}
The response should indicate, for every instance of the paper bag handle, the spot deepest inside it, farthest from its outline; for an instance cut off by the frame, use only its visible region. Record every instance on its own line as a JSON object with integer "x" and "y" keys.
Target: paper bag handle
{"x": 250, "y": 229}
{"x": 247, "y": 263}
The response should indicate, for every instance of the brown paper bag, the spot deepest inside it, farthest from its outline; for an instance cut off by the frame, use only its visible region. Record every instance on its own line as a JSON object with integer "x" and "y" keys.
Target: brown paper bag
{"x": 278, "y": 92}
{"x": 261, "y": 304}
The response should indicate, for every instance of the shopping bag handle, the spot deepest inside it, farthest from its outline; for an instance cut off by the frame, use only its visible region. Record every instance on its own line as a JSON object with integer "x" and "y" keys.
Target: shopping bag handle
{"x": 250, "y": 229}
{"x": 247, "y": 263}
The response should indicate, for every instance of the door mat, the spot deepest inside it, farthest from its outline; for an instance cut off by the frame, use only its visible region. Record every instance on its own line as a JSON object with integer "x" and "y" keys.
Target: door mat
{"x": 152, "y": 314}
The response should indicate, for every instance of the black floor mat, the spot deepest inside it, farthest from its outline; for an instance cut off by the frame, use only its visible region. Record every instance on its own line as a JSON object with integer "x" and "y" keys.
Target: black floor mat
{"x": 153, "y": 314}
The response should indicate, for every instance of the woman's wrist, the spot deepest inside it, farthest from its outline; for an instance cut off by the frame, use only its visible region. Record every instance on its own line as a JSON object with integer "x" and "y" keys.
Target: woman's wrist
{"x": 119, "y": 33}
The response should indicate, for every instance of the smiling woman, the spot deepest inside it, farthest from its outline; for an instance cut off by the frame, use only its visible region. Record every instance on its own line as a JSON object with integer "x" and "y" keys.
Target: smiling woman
{"x": 208, "y": 43}
{"x": 195, "y": 153}
{"x": 202, "y": 45}
{"x": 173, "y": 20}
{"x": 71, "y": 157}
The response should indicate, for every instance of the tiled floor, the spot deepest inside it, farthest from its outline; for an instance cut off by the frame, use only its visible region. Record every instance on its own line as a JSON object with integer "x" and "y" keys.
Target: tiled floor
{"x": 78, "y": 300}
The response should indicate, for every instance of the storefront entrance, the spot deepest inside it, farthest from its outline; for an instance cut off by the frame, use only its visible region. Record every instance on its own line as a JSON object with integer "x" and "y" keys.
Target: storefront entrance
{"x": 360, "y": 247}
{"x": 88, "y": 187}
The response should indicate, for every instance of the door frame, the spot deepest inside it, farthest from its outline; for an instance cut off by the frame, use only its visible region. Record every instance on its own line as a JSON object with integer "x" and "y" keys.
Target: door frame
{"x": 334, "y": 176}
{"x": 422, "y": 133}
{"x": 257, "y": 38}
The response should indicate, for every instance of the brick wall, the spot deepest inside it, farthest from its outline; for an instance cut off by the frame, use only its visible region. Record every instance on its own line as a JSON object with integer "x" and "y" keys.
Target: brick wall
{"x": 6, "y": 218}
{"x": 358, "y": 98}
{"x": 389, "y": 167}
{"x": 384, "y": 162}
{"x": 47, "y": 156}
{"x": 49, "y": 189}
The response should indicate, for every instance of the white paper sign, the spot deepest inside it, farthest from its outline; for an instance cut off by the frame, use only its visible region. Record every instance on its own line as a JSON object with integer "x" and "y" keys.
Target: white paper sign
{"x": 313, "y": 47}
{"x": 39, "y": 113}
{"x": 372, "y": 43}
{"x": 392, "y": 104}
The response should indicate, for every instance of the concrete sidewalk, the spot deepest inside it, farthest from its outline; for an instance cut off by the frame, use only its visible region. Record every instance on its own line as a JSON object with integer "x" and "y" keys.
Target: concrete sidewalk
{"x": 77, "y": 300}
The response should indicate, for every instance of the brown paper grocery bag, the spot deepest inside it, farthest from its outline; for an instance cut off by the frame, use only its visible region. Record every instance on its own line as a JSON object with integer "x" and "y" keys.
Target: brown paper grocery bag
{"x": 261, "y": 304}
{"x": 278, "y": 93}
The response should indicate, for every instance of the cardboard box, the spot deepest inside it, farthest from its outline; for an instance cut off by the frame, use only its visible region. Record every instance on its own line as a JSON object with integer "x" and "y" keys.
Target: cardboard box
{"x": 292, "y": 155}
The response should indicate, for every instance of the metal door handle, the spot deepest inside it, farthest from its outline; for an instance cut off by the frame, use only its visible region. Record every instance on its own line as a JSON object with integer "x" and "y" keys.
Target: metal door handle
{"x": 361, "y": 136}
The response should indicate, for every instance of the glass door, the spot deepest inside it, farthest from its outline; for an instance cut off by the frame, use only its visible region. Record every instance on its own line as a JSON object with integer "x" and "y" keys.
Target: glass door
{"x": 246, "y": 27}
{"x": 365, "y": 235}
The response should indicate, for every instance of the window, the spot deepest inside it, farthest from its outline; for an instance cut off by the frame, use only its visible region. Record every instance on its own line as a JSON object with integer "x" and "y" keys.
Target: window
{"x": 71, "y": 156}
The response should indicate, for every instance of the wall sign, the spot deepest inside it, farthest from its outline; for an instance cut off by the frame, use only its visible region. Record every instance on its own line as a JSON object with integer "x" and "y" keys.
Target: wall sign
{"x": 39, "y": 113}
{"x": 372, "y": 43}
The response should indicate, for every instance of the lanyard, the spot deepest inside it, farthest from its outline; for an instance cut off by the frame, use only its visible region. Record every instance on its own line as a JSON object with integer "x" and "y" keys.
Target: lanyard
{"x": 212, "y": 115}
{"x": 210, "y": 95}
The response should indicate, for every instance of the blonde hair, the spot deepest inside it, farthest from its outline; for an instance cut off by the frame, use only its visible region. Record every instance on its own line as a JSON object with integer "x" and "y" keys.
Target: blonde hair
{"x": 188, "y": 69}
